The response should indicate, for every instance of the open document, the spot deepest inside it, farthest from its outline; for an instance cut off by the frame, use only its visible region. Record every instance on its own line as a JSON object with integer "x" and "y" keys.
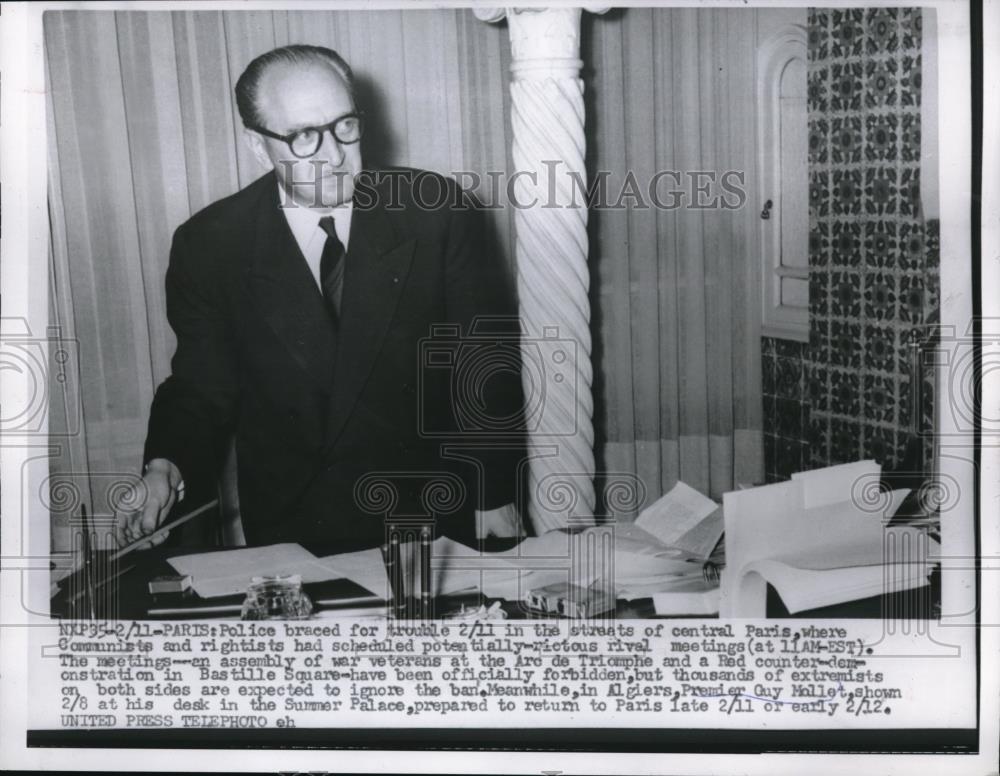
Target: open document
{"x": 685, "y": 520}
{"x": 816, "y": 545}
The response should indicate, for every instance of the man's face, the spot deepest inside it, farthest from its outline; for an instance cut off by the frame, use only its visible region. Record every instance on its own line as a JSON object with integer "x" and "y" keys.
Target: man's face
{"x": 290, "y": 98}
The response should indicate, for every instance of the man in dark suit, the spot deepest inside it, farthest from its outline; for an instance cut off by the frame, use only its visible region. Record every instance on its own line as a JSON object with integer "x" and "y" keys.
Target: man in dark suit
{"x": 300, "y": 305}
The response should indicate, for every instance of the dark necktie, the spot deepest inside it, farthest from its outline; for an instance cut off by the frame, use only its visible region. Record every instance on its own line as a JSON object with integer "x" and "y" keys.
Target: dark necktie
{"x": 331, "y": 268}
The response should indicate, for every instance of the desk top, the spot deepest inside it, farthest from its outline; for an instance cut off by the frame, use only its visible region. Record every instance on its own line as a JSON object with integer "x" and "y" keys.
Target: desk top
{"x": 127, "y": 596}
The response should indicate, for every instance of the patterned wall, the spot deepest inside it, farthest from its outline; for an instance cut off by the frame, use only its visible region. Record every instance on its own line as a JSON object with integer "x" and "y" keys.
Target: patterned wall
{"x": 873, "y": 259}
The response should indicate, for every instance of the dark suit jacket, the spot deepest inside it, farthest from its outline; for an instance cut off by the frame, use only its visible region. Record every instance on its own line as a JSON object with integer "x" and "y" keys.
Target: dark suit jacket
{"x": 318, "y": 410}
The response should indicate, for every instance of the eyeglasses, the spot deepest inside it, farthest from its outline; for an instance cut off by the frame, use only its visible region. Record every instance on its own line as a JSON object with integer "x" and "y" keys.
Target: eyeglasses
{"x": 307, "y": 141}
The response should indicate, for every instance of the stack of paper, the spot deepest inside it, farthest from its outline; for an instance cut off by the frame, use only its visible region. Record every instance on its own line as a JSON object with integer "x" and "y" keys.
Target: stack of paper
{"x": 817, "y": 543}
{"x": 627, "y": 558}
{"x": 689, "y": 595}
{"x": 228, "y": 572}
{"x": 635, "y": 563}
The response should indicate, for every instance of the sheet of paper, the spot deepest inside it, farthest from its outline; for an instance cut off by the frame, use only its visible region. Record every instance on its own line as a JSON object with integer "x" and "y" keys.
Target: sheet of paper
{"x": 514, "y": 584}
{"x": 676, "y": 513}
{"x": 701, "y": 540}
{"x": 455, "y": 567}
{"x": 228, "y": 572}
{"x": 909, "y": 544}
{"x": 636, "y": 555}
{"x": 629, "y": 537}
{"x": 802, "y": 589}
{"x": 536, "y": 562}
{"x": 620, "y": 557}
{"x": 771, "y": 524}
{"x": 754, "y": 519}
{"x": 662, "y": 583}
{"x": 690, "y": 596}
{"x": 554, "y": 544}
{"x": 834, "y": 536}
{"x": 836, "y": 483}
{"x": 636, "y": 559}
{"x": 364, "y": 567}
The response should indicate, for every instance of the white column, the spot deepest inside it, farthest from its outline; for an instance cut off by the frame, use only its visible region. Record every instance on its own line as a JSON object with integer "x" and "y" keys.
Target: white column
{"x": 553, "y": 278}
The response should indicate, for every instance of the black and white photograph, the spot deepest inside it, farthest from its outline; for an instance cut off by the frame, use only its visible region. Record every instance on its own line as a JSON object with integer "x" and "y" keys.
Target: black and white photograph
{"x": 388, "y": 385}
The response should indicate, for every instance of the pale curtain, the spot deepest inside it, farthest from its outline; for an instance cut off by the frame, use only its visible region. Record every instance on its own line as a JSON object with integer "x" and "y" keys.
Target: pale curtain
{"x": 143, "y": 132}
{"x": 676, "y": 291}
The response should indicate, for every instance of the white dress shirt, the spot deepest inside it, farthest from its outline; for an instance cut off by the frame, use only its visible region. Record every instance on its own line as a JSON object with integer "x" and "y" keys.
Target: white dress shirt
{"x": 304, "y": 223}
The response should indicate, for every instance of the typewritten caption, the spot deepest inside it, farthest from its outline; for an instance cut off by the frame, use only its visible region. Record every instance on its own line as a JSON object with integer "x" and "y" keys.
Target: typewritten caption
{"x": 376, "y": 672}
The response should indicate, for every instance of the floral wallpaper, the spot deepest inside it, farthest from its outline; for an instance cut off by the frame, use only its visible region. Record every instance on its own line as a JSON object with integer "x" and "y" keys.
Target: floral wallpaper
{"x": 873, "y": 259}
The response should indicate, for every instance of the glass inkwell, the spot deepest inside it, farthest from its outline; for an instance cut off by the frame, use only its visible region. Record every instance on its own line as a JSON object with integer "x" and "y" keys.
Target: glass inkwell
{"x": 276, "y": 597}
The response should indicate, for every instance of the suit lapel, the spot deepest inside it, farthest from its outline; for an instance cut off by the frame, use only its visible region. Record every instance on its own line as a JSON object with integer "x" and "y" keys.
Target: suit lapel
{"x": 378, "y": 261}
{"x": 286, "y": 293}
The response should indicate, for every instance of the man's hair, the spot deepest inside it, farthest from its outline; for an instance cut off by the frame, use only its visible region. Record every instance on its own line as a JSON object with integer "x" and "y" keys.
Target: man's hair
{"x": 298, "y": 54}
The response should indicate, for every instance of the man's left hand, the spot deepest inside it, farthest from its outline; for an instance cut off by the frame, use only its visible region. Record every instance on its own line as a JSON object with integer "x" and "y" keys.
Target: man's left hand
{"x": 503, "y": 522}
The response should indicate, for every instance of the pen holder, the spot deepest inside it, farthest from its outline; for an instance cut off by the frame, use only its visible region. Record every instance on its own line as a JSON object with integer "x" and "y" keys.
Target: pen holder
{"x": 276, "y": 597}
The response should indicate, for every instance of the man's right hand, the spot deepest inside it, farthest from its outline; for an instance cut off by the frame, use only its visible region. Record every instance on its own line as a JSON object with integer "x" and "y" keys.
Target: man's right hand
{"x": 164, "y": 487}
